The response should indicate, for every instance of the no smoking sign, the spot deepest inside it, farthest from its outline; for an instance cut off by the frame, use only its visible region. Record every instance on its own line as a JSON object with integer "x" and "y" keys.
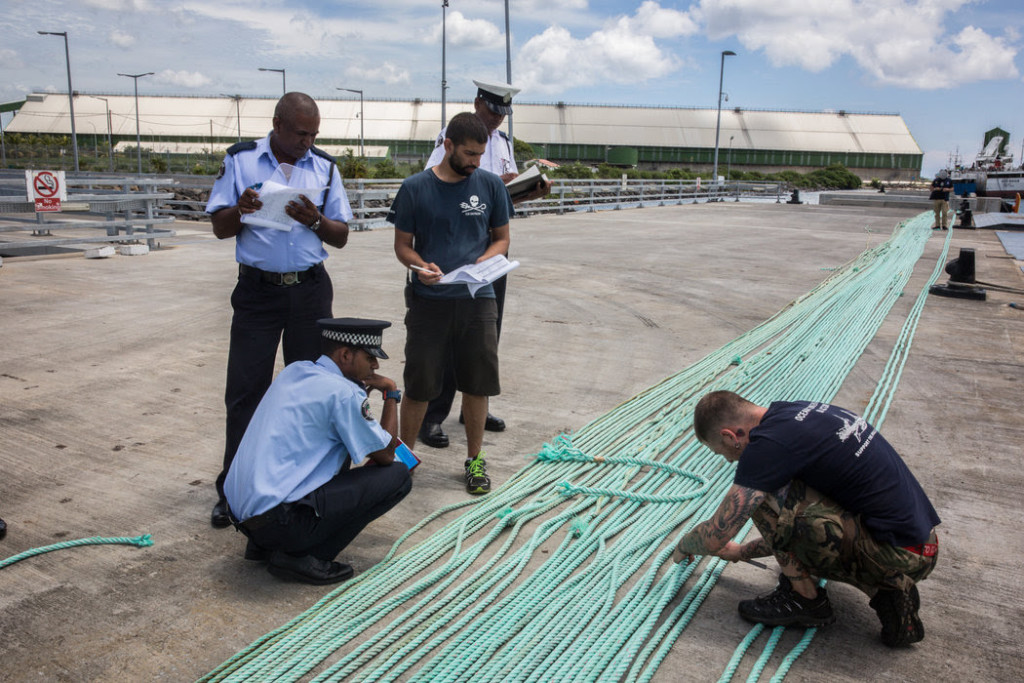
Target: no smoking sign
{"x": 46, "y": 189}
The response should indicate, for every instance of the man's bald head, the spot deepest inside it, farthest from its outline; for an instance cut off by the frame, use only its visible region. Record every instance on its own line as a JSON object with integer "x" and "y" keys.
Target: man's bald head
{"x": 295, "y": 103}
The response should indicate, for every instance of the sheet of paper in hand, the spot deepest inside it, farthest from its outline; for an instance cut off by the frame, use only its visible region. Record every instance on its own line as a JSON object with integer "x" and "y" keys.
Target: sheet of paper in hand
{"x": 284, "y": 186}
{"x": 476, "y": 275}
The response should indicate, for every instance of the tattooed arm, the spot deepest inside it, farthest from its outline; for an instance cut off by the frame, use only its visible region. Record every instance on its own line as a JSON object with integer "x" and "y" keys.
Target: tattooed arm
{"x": 714, "y": 535}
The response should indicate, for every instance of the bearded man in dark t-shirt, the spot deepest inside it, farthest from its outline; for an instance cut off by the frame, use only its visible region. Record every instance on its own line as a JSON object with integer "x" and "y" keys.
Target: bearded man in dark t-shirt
{"x": 832, "y": 500}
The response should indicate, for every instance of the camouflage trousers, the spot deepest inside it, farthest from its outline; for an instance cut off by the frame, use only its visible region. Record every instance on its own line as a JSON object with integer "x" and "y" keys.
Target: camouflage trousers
{"x": 832, "y": 543}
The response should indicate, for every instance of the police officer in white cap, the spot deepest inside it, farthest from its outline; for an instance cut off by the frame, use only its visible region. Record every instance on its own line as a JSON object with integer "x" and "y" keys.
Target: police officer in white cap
{"x": 492, "y": 104}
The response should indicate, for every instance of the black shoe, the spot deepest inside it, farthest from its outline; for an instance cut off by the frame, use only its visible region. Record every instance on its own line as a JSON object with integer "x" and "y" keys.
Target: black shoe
{"x": 308, "y": 569}
{"x": 3, "y": 528}
{"x": 432, "y": 435}
{"x": 491, "y": 424}
{"x": 897, "y": 610}
{"x": 255, "y": 553}
{"x": 219, "y": 518}
{"x": 785, "y": 607}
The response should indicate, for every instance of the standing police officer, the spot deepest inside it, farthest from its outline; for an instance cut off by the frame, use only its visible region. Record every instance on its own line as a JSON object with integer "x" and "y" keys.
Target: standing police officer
{"x": 283, "y": 287}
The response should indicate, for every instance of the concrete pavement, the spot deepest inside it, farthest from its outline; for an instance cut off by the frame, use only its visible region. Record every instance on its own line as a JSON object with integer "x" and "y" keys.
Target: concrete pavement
{"x": 111, "y": 414}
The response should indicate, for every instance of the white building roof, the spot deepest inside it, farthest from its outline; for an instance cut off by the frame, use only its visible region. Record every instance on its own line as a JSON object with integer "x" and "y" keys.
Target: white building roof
{"x": 218, "y": 117}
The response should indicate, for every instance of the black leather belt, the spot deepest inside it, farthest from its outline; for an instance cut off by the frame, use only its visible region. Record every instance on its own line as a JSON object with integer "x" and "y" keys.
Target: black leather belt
{"x": 261, "y": 520}
{"x": 279, "y": 279}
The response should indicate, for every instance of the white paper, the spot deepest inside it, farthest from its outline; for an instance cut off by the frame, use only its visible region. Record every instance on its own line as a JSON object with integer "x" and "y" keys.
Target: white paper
{"x": 285, "y": 186}
{"x": 476, "y": 275}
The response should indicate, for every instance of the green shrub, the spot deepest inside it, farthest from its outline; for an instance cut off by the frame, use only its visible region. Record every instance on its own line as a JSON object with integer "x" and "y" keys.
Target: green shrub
{"x": 574, "y": 170}
{"x": 385, "y": 169}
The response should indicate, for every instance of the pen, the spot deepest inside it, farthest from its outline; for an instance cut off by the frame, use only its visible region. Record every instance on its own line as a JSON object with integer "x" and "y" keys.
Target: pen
{"x": 422, "y": 269}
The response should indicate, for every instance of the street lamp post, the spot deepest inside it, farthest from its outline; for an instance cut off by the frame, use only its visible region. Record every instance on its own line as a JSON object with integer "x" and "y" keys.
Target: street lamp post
{"x": 362, "y": 152}
{"x": 238, "y": 112}
{"x": 71, "y": 97}
{"x": 110, "y": 140}
{"x": 284, "y": 88}
{"x": 718, "y": 121}
{"x": 728, "y": 167}
{"x": 138, "y": 134}
{"x": 444, "y": 81}
{"x": 508, "y": 63}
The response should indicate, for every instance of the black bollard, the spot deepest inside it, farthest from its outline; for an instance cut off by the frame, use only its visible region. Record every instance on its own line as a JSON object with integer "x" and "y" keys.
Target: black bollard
{"x": 966, "y": 216}
{"x": 961, "y": 269}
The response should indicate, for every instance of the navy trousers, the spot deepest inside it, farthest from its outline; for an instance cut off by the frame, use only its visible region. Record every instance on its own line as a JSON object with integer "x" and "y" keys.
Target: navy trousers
{"x": 264, "y": 314}
{"x": 329, "y": 518}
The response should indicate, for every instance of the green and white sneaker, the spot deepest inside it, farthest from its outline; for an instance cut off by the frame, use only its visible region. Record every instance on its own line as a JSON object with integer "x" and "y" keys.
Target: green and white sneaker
{"x": 477, "y": 480}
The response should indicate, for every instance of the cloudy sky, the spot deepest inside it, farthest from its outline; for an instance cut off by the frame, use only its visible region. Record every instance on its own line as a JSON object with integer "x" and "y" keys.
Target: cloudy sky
{"x": 951, "y": 68}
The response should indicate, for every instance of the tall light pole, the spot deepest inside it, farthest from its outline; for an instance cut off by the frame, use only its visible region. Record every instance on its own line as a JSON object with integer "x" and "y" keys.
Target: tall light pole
{"x": 508, "y": 63}
{"x": 238, "y": 112}
{"x": 71, "y": 96}
{"x": 110, "y": 140}
{"x": 444, "y": 81}
{"x": 138, "y": 134}
{"x": 362, "y": 153}
{"x": 284, "y": 88}
{"x": 718, "y": 121}
{"x": 728, "y": 167}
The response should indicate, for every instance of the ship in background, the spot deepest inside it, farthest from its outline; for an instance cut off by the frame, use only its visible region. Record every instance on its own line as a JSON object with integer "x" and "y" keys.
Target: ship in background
{"x": 993, "y": 173}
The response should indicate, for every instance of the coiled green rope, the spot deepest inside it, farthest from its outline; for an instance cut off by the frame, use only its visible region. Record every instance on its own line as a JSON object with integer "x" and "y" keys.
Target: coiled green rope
{"x": 532, "y": 584}
{"x": 140, "y": 541}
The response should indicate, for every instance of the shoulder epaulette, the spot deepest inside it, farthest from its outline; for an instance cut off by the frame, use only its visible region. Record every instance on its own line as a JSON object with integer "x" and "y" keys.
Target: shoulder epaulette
{"x": 320, "y": 153}
{"x": 503, "y": 134}
{"x": 241, "y": 147}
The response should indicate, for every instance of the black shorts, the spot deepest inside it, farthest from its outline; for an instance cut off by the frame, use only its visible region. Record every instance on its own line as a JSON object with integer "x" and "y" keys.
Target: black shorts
{"x": 461, "y": 331}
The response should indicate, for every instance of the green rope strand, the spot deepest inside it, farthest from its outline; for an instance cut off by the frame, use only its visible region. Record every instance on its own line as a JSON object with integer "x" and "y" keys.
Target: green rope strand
{"x": 564, "y": 572}
{"x": 139, "y": 541}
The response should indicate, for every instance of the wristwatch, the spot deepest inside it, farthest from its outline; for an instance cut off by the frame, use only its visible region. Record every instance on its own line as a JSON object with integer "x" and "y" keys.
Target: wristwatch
{"x": 316, "y": 224}
{"x": 393, "y": 393}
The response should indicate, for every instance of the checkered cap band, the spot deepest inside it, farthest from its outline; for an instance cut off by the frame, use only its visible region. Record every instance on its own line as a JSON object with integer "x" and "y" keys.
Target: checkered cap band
{"x": 354, "y": 338}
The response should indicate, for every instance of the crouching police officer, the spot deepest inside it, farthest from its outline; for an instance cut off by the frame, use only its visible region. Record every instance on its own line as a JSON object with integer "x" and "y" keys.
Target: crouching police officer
{"x": 292, "y": 488}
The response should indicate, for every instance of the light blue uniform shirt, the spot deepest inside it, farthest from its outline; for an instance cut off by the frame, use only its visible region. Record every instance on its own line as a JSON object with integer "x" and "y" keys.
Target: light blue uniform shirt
{"x": 266, "y": 248}
{"x": 309, "y": 422}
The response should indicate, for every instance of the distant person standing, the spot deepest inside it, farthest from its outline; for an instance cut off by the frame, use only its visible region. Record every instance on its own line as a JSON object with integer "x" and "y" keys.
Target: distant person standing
{"x": 283, "y": 287}
{"x": 446, "y": 217}
{"x": 492, "y": 104}
{"x": 942, "y": 186}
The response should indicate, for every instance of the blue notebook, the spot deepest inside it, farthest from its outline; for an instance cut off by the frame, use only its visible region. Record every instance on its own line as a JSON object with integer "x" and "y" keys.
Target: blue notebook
{"x": 403, "y": 453}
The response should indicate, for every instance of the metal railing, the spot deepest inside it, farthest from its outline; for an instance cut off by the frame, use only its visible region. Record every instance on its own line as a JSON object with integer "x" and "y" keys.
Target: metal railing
{"x": 371, "y": 199}
{"x": 125, "y": 209}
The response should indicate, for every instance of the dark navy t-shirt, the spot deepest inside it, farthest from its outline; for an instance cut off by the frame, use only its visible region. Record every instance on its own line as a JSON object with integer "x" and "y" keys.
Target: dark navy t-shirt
{"x": 451, "y": 223}
{"x": 838, "y": 453}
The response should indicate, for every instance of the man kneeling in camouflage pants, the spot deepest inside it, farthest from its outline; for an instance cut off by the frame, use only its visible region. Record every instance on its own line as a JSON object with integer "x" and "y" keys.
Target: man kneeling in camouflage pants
{"x": 832, "y": 500}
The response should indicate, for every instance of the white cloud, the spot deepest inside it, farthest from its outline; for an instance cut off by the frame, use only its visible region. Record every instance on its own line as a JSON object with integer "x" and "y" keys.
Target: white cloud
{"x": 525, "y": 6}
{"x": 121, "y": 39}
{"x": 386, "y": 73}
{"x": 623, "y": 51}
{"x": 898, "y": 42}
{"x": 11, "y": 59}
{"x": 119, "y": 5}
{"x": 461, "y": 31}
{"x": 654, "y": 20}
{"x": 185, "y": 79}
